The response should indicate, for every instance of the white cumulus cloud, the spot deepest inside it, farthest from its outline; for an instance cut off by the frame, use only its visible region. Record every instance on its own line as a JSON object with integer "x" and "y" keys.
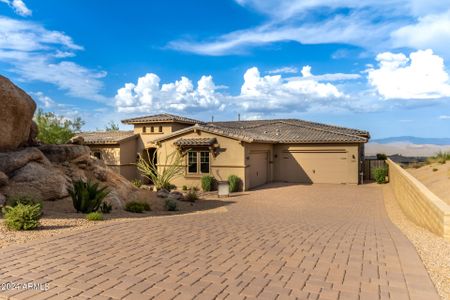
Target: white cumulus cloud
{"x": 259, "y": 94}
{"x": 422, "y": 75}
{"x": 149, "y": 95}
{"x": 19, "y": 7}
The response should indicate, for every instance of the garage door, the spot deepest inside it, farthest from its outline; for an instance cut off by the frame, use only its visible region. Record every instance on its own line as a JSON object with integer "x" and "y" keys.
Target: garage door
{"x": 314, "y": 167}
{"x": 258, "y": 168}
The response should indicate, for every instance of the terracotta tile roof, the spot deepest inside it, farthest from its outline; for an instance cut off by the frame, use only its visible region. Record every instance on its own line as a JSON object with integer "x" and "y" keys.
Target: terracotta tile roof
{"x": 163, "y": 118}
{"x": 196, "y": 142}
{"x": 280, "y": 131}
{"x": 106, "y": 137}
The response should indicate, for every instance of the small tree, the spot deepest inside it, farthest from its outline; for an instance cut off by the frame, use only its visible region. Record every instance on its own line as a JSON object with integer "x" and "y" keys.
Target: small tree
{"x": 162, "y": 177}
{"x": 53, "y": 129}
{"x": 112, "y": 126}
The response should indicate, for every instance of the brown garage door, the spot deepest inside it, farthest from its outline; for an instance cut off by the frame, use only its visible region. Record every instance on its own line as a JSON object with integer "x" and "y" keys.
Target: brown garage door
{"x": 314, "y": 167}
{"x": 258, "y": 169}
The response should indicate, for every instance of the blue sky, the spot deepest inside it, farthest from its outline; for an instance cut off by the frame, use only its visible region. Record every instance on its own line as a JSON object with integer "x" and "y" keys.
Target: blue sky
{"x": 377, "y": 65}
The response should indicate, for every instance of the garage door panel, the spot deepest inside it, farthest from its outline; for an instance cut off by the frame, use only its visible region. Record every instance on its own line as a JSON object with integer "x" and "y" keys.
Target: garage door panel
{"x": 314, "y": 167}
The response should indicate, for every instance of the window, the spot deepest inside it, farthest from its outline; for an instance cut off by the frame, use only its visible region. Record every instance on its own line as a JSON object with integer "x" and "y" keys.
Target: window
{"x": 160, "y": 128}
{"x": 192, "y": 162}
{"x": 204, "y": 162}
{"x": 152, "y": 129}
{"x": 97, "y": 154}
{"x": 144, "y": 129}
{"x": 198, "y": 162}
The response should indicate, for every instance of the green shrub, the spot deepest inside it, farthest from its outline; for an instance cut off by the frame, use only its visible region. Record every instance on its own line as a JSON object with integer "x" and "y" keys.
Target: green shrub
{"x": 22, "y": 217}
{"x": 380, "y": 174}
{"x": 171, "y": 205}
{"x": 135, "y": 207}
{"x": 381, "y": 156}
{"x": 234, "y": 183}
{"x": 191, "y": 196}
{"x": 87, "y": 196}
{"x": 184, "y": 188}
{"x": 105, "y": 207}
{"x": 207, "y": 183}
{"x": 94, "y": 216}
{"x": 146, "y": 206}
{"x": 22, "y": 199}
{"x": 137, "y": 183}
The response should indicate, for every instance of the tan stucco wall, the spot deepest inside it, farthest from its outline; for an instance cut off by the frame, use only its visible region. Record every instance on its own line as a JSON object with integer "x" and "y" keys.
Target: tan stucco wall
{"x": 418, "y": 203}
{"x": 128, "y": 153}
{"x": 326, "y": 163}
{"x": 120, "y": 158}
{"x": 229, "y": 160}
{"x": 110, "y": 153}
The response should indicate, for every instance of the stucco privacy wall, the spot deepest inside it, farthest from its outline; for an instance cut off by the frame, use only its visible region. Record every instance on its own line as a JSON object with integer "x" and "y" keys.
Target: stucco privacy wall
{"x": 228, "y": 161}
{"x": 128, "y": 153}
{"x": 418, "y": 203}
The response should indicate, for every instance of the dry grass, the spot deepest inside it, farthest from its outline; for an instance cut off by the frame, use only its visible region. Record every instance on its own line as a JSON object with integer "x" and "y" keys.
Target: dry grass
{"x": 433, "y": 250}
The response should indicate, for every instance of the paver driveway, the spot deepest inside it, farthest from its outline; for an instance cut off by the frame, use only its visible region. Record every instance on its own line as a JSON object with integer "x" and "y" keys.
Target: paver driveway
{"x": 304, "y": 242}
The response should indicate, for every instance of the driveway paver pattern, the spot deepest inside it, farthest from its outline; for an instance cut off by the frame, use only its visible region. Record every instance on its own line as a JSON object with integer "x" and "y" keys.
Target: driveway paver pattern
{"x": 281, "y": 242}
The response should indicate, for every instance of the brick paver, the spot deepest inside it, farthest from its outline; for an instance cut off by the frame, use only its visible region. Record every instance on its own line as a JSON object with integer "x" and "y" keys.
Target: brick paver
{"x": 282, "y": 242}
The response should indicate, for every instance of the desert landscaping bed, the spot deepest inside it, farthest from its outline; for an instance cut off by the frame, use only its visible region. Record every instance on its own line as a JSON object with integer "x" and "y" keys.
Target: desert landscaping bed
{"x": 433, "y": 250}
{"x": 60, "y": 217}
{"x": 436, "y": 177}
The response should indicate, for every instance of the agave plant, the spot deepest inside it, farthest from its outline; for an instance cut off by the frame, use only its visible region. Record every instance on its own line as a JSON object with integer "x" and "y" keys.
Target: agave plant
{"x": 87, "y": 196}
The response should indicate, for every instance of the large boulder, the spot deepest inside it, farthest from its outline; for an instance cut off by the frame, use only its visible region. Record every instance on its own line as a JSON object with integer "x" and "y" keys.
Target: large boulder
{"x": 11, "y": 161}
{"x": 41, "y": 181}
{"x": 16, "y": 111}
{"x": 64, "y": 153}
{"x": 3, "y": 179}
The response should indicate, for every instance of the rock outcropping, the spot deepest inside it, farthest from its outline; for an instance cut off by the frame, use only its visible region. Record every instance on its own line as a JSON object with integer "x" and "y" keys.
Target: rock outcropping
{"x": 45, "y": 171}
{"x": 16, "y": 111}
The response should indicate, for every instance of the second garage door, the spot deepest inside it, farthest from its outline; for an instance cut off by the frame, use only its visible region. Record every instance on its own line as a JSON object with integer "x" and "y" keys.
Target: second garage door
{"x": 314, "y": 167}
{"x": 258, "y": 168}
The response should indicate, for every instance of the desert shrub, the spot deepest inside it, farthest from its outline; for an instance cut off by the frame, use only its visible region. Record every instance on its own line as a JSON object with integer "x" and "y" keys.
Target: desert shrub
{"x": 94, "y": 216}
{"x": 381, "y": 156}
{"x": 184, "y": 188}
{"x": 22, "y": 199}
{"x": 234, "y": 183}
{"x": 207, "y": 183}
{"x": 146, "y": 206}
{"x": 162, "y": 177}
{"x": 105, "y": 207}
{"x": 191, "y": 196}
{"x": 440, "y": 157}
{"x": 170, "y": 187}
{"x": 137, "y": 183}
{"x": 135, "y": 207}
{"x": 171, "y": 205}
{"x": 380, "y": 174}
{"x": 87, "y": 196}
{"x": 435, "y": 169}
{"x": 22, "y": 217}
{"x": 194, "y": 188}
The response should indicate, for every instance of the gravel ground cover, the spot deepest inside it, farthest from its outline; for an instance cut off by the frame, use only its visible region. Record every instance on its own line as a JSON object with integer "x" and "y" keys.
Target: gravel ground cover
{"x": 59, "y": 217}
{"x": 433, "y": 250}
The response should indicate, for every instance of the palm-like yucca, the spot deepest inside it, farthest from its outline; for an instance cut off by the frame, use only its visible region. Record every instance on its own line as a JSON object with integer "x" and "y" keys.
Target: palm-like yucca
{"x": 87, "y": 196}
{"x": 171, "y": 168}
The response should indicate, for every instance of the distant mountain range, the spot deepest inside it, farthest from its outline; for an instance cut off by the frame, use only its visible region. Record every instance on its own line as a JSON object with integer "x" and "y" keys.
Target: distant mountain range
{"x": 412, "y": 140}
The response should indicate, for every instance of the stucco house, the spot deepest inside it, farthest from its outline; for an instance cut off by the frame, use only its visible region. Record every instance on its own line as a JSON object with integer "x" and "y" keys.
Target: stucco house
{"x": 262, "y": 151}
